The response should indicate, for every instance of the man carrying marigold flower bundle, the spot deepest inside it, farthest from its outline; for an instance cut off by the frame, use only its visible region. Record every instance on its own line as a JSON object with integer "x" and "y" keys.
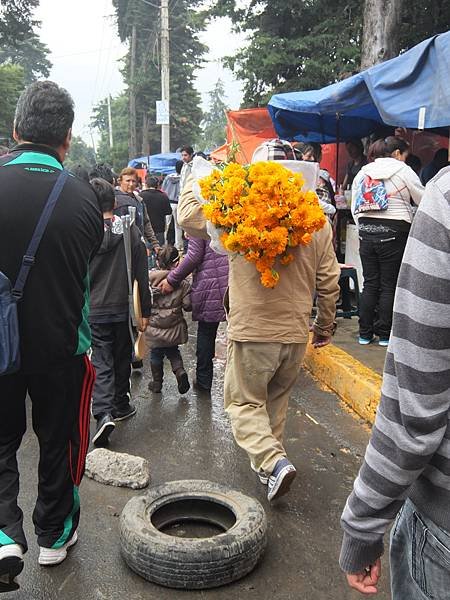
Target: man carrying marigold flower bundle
{"x": 270, "y": 299}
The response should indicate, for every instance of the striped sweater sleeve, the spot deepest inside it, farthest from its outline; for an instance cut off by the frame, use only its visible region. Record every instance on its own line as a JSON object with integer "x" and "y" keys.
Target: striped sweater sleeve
{"x": 410, "y": 439}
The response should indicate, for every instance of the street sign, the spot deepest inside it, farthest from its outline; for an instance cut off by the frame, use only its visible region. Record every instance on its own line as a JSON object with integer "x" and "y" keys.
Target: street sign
{"x": 162, "y": 112}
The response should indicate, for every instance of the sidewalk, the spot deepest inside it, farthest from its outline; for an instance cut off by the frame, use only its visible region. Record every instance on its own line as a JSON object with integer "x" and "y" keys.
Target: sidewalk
{"x": 350, "y": 370}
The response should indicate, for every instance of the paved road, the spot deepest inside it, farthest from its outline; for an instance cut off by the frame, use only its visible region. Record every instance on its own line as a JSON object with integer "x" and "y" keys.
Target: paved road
{"x": 190, "y": 437}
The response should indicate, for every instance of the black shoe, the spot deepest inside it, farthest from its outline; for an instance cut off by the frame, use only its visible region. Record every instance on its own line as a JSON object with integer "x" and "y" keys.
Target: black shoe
{"x": 11, "y": 565}
{"x": 155, "y": 386}
{"x": 105, "y": 425}
{"x": 182, "y": 380}
{"x": 120, "y": 414}
{"x": 200, "y": 388}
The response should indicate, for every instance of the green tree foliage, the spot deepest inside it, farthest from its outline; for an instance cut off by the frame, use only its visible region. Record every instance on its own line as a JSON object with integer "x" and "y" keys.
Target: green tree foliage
{"x": 214, "y": 120}
{"x": 307, "y": 44}
{"x": 422, "y": 19}
{"x": 185, "y": 56}
{"x": 79, "y": 154}
{"x": 117, "y": 156}
{"x": 31, "y": 54}
{"x": 11, "y": 85}
{"x": 19, "y": 42}
{"x": 293, "y": 45}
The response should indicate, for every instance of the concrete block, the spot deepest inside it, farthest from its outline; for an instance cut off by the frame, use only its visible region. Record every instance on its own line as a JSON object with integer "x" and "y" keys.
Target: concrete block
{"x": 118, "y": 469}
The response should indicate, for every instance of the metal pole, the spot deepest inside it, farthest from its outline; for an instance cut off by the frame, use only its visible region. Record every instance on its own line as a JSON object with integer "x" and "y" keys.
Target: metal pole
{"x": 133, "y": 134}
{"x": 110, "y": 127}
{"x": 337, "y": 148}
{"x": 165, "y": 72}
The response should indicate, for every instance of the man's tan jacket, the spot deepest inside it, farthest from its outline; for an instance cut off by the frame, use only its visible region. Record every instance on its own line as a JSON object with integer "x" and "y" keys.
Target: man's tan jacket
{"x": 281, "y": 314}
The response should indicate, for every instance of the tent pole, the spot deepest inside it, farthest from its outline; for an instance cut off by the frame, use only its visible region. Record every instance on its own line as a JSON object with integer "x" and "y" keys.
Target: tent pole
{"x": 337, "y": 148}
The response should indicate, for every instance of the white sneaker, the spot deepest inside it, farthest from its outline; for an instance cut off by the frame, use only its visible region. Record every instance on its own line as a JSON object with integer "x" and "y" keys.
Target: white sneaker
{"x": 55, "y": 556}
{"x": 11, "y": 565}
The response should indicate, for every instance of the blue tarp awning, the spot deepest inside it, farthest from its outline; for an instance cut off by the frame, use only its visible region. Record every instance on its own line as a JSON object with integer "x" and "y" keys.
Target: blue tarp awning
{"x": 400, "y": 92}
{"x": 159, "y": 163}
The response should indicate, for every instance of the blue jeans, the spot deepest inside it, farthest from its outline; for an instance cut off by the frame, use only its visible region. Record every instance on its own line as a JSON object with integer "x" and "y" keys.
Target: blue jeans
{"x": 419, "y": 556}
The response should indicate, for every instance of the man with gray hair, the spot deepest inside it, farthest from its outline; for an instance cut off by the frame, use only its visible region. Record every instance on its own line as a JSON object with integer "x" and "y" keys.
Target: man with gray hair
{"x": 54, "y": 333}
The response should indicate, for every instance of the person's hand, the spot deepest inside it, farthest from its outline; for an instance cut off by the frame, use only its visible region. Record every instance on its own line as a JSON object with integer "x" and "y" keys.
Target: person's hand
{"x": 165, "y": 287}
{"x": 157, "y": 249}
{"x": 143, "y": 324}
{"x": 366, "y": 581}
{"x": 319, "y": 341}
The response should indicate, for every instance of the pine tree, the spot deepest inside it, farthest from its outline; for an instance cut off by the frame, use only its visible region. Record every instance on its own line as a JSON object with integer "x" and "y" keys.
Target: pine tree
{"x": 117, "y": 156}
{"x": 11, "y": 85}
{"x": 307, "y": 44}
{"x": 185, "y": 56}
{"x": 214, "y": 121}
{"x": 19, "y": 41}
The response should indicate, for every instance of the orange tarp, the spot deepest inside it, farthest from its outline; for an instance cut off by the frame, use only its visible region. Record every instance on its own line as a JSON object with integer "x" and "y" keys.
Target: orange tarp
{"x": 250, "y": 127}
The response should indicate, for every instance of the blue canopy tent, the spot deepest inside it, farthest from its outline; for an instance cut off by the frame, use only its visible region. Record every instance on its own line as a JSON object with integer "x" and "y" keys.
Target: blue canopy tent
{"x": 159, "y": 163}
{"x": 409, "y": 91}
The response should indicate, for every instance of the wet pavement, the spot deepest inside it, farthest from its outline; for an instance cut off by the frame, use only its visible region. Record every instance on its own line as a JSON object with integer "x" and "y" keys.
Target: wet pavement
{"x": 346, "y": 338}
{"x": 189, "y": 437}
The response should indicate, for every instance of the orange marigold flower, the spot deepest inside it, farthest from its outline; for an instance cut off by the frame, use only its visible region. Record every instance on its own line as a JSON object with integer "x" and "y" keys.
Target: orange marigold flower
{"x": 262, "y": 211}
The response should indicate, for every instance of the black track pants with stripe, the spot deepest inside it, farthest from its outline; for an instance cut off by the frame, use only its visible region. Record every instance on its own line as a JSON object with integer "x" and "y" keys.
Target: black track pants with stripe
{"x": 60, "y": 400}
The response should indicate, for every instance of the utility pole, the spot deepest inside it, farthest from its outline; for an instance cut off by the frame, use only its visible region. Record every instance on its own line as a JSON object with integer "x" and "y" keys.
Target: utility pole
{"x": 110, "y": 127}
{"x": 133, "y": 133}
{"x": 165, "y": 73}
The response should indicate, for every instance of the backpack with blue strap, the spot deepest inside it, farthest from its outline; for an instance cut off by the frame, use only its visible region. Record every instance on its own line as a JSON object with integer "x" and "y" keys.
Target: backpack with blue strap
{"x": 371, "y": 195}
{"x": 10, "y": 295}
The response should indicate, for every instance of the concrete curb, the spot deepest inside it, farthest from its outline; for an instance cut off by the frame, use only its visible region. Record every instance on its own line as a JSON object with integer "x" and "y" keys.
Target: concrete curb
{"x": 357, "y": 385}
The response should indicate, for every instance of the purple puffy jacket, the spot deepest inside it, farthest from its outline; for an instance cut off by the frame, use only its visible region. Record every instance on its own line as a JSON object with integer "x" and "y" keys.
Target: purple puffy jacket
{"x": 210, "y": 280}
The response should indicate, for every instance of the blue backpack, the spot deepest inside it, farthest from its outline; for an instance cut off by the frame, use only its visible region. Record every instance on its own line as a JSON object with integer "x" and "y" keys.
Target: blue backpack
{"x": 371, "y": 195}
{"x": 10, "y": 296}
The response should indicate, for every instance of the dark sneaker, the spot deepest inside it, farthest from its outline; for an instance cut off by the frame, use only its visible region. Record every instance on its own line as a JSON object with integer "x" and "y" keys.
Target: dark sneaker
{"x": 120, "y": 414}
{"x": 182, "y": 380}
{"x": 11, "y": 565}
{"x": 105, "y": 425}
{"x": 280, "y": 481}
{"x": 383, "y": 342}
{"x": 200, "y": 388}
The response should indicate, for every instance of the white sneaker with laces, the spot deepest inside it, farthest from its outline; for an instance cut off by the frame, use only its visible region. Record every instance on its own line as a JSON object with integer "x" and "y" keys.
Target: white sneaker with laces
{"x": 54, "y": 556}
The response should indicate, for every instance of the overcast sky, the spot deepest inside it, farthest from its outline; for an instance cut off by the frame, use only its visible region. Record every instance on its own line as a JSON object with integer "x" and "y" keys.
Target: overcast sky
{"x": 85, "y": 51}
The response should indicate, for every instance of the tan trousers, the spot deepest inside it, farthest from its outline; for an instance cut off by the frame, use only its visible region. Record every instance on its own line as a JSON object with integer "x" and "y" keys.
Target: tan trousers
{"x": 259, "y": 378}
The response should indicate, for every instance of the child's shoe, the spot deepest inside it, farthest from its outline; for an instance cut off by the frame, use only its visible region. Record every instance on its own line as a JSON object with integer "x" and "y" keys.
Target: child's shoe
{"x": 182, "y": 380}
{"x": 155, "y": 385}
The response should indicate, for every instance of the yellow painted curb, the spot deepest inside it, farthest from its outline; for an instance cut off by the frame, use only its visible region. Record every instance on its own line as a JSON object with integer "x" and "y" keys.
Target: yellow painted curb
{"x": 357, "y": 385}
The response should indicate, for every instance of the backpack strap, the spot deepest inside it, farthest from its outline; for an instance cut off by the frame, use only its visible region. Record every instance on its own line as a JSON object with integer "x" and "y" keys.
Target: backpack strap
{"x": 28, "y": 259}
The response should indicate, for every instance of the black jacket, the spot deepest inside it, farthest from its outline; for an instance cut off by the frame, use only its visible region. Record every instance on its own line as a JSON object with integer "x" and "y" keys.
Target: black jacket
{"x": 109, "y": 281}
{"x": 123, "y": 201}
{"x": 158, "y": 207}
{"x": 53, "y": 312}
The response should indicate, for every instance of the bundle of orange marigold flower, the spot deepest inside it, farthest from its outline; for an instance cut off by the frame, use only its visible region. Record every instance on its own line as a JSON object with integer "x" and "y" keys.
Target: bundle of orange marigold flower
{"x": 262, "y": 212}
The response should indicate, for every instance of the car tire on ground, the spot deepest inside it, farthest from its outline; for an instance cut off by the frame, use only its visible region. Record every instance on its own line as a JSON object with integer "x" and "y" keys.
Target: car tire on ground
{"x": 192, "y": 563}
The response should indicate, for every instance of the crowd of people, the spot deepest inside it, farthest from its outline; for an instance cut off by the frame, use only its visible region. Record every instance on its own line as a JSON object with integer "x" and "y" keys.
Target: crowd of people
{"x": 102, "y": 242}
